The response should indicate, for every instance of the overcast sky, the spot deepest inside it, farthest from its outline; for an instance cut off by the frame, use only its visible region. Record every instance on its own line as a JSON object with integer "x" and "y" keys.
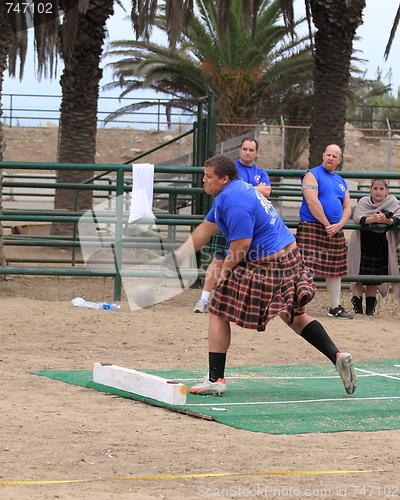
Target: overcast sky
{"x": 374, "y": 33}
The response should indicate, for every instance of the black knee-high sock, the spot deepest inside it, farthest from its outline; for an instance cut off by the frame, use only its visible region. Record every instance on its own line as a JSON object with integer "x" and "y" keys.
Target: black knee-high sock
{"x": 216, "y": 361}
{"x": 317, "y": 336}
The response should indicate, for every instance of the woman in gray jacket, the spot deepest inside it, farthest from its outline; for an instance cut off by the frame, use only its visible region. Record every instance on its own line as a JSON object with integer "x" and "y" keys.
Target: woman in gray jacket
{"x": 373, "y": 251}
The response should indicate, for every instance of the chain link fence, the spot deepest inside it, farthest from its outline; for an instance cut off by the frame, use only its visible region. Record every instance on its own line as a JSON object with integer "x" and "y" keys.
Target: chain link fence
{"x": 286, "y": 147}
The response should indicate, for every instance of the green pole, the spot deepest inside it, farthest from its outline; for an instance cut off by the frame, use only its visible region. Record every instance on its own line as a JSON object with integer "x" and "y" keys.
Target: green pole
{"x": 199, "y": 159}
{"x": 74, "y": 233}
{"x": 210, "y": 151}
{"x": 119, "y": 208}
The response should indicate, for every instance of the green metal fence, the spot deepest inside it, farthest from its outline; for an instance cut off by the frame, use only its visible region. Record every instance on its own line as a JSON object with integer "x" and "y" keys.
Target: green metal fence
{"x": 181, "y": 224}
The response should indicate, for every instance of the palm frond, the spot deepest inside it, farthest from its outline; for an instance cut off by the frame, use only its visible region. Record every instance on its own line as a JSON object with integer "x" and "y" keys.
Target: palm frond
{"x": 288, "y": 14}
{"x": 251, "y": 72}
{"x": 223, "y": 14}
{"x": 46, "y": 39}
{"x": 142, "y": 16}
{"x": 392, "y": 34}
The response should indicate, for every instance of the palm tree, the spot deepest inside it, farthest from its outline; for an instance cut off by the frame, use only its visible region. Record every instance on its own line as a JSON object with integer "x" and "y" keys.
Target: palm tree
{"x": 78, "y": 128}
{"x": 336, "y": 24}
{"x": 82, "y": 41}
{"x": 254, "y": 74}
{"x": 14, "y": 23}
{"x": 5, "y": 47}
{"x": 179, "y": 13}
{"x": 81, "y": 51}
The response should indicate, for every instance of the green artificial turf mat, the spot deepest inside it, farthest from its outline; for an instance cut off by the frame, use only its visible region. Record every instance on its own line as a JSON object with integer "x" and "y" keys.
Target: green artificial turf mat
{"x": 289, "y": 399}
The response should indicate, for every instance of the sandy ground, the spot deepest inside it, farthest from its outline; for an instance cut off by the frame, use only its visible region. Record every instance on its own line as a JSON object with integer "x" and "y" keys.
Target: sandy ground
{"x": 51, "y": 431}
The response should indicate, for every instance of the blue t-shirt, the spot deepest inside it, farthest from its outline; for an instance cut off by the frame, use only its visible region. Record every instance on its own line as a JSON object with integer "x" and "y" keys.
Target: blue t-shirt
{"x": 331, "y": 193}
{"x": 253, "y": 175}
{"x": 241, "y": 212}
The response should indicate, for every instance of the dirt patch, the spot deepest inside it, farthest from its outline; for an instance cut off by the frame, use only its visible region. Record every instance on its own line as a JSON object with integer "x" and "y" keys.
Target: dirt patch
{"x": 57, "y": 432}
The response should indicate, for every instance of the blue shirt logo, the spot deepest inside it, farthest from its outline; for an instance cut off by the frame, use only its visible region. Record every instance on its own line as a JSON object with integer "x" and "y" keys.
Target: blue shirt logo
{"x": 268, "y": 207}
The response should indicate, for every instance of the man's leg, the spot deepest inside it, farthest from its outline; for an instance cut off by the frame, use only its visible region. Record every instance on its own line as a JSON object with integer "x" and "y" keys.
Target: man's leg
{"x": 219, "y": 334}
{"x": 334, "y": 288}
{"x": 315, "y": 334}
{"x": 219, "y": 339}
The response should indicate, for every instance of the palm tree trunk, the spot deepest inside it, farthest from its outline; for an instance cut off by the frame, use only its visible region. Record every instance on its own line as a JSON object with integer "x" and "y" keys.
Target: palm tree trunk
{"x": 336, "y": 24}
{"x": 4, "y": 49}
{"x": 80, "y": 93}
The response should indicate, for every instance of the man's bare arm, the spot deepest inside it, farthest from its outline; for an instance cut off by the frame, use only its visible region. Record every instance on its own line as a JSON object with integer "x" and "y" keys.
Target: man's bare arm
{"x": 311, "y": 196}
{"x": 199, "y": 237}
{"x": 263, "y": 189}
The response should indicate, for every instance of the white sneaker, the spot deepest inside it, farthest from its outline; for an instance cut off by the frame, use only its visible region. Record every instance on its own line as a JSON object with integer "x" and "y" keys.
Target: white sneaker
{"x": 345, "y": 367}
{"x": 201, "y": 306}
{"x": 207, "y": 387}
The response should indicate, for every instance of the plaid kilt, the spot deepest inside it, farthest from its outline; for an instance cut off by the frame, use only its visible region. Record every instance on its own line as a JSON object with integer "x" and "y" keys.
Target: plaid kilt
{"x": 258, "y": 291}
{"x": 374, "y": 261}
{"x": 324, "y": 256}
{"x": 218, "y": 246}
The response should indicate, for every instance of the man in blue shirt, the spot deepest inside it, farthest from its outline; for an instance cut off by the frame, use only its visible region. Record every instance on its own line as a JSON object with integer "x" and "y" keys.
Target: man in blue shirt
{"x": 263, "y": 274}
{"x": 249, "y": 172}
{"x": 324, "y": 211}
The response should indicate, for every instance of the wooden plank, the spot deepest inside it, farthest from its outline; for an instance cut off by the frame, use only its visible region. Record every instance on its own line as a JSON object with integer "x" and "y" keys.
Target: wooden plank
{"x": 142, "y": 384}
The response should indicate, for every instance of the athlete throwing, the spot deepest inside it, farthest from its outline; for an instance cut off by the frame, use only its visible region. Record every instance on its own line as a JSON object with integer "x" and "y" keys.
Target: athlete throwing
{"x": 263, "y": 275}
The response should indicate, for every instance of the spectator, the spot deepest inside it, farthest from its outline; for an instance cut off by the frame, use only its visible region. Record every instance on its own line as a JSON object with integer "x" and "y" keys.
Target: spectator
{"x": 324, "y": 211}
{"x": 248, "y": 171}
{"x": 373, "y": 252}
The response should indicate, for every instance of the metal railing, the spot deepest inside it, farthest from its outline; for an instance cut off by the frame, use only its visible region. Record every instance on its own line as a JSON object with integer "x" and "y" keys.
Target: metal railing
{"x": 34, "y": 110}
{"x": 116, "y": 215}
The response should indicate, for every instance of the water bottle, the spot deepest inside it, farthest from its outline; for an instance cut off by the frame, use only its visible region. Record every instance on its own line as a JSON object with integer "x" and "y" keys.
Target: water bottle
{"x": 78, "y": 301}
{"x": 109, "y": 305}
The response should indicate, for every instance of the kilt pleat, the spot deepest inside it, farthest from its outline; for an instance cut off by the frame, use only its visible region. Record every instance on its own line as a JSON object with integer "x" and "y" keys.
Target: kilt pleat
{"x": 258, "y": 291}
{"x": 218, "y": 246}
{"x": 324, "y": 256}
{"x": 218, "y": 243}
{"x": 374, "y": 261}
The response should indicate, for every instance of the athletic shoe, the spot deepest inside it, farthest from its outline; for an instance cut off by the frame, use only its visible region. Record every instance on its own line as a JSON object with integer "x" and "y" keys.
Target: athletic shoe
{"x": 201, "y": 306}
{"x": 207, "y": 387}
{"x": 345, "y": 367}
{"x": 339, "y": 312}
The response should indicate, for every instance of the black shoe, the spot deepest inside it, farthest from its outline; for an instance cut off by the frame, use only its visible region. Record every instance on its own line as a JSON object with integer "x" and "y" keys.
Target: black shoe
{"x": 370, "y": 306}
{"x": 339, "y": 312}
{"x": 357, "y": 304}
